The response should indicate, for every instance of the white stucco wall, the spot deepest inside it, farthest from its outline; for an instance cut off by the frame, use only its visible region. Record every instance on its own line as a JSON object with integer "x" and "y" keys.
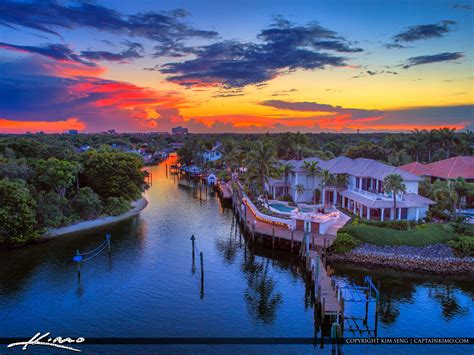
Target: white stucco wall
{"x": 412, "y": 186}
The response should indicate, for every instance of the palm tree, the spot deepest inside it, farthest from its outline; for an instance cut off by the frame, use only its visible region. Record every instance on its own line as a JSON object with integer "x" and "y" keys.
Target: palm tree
{"x": 342, "y": 180}
{"x": 327, "y": 179}
{"x": 313, "y": 170}
{"x": 430, "y": 138}
{"x": 395, "y": 184}
{"x": 462, "y": 189}
{"x": 286, "y": 169}
{"x": 229, "y": 150}
{"x": 466, "y": 142}
{"x": 448, "y": 137}
{"x": 416, "y": 145}
{"x": 299, "y": 191}
{"x": 393, "y": 143}
{"x": 262, "y": 164}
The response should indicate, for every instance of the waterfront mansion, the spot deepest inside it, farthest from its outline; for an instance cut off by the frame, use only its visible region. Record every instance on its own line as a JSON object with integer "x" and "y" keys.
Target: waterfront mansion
{"x": 363, "y": 194}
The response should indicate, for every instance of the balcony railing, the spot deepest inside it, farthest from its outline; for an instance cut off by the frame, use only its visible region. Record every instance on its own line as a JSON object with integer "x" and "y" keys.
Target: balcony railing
{"x": 368, "y": 194}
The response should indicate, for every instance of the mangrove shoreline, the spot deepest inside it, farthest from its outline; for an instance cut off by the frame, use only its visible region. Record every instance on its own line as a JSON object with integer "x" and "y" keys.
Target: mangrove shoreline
{"x": 137, "y": 206}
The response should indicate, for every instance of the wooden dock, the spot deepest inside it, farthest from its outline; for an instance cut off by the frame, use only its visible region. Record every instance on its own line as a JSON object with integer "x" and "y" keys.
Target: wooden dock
{"x": 225, "y": 190}
{"x": 312, "y": 248}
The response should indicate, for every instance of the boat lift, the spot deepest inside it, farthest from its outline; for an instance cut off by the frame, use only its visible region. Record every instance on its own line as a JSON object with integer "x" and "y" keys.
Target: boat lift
{"x": 368, "y": 295}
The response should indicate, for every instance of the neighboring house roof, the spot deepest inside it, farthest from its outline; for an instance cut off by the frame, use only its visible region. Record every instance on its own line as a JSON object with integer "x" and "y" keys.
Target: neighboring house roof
{"x": 360, "y": 167}
{"x": 415, "y": 168}
{"x": 452, "y": 168}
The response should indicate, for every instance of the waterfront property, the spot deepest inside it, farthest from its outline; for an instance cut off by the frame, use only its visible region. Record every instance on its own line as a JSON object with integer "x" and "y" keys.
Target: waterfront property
{"x": 362, "y": 192}
{"x": 212, "y": 154}
{"x": 452, "y": 168}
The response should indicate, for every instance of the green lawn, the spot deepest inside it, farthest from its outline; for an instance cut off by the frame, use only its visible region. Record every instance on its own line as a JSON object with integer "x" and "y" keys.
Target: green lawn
{"x": 419, "y": 236}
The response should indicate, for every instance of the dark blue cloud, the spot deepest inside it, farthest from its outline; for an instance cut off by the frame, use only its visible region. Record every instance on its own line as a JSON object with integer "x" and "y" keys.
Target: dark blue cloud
{"x": 419, "y": 32}
{"x": 463, "y": 6}
{"x": 283, "y": 47}
{"x": 134, "y": 51}
{"x": 59, "y": 52}
{"x": 435, "y": 58}
{"x": 51, "y": 16}
{"x": 62, "y": 52}
{"x": 317, "y": 107}
{"x": 394, "y": 46}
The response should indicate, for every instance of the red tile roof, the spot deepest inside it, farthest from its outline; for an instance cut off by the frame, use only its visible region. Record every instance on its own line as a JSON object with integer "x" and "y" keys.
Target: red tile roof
{"x": 415, "y": 168}
{"x": 452, "y": 168}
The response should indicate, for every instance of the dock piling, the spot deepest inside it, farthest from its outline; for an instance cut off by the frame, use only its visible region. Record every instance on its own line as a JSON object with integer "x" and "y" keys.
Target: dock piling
{"x": 107, "y": 237}
{"x": 202, "y": 274}
{"x": 78, "y": 256}
{"x": 292, "y": 238}
{"x": 193, "y": 238}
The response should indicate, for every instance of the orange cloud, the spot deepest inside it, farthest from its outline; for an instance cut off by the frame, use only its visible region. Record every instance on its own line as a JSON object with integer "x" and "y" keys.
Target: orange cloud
{"x": 9, "y": 126}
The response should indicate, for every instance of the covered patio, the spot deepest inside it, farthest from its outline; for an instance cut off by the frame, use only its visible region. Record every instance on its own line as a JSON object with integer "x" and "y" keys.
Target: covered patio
{"x": 411, "y": 207}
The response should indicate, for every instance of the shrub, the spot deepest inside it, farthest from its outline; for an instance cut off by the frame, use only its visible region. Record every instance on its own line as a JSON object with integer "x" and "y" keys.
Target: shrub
{"x": 285, "y": 198}
{"x": 396, "y": 224}
{"x": 432, "y": 234}
{"x": 116, "y": 206}
{"x": 50, "y": 209}
{"x": 464, "y": 244}
{"x": 17, "y": 213}
{"x": 85, "y": 204}
{"x": 344, "y": 243}
{"x": 223, "y": 175}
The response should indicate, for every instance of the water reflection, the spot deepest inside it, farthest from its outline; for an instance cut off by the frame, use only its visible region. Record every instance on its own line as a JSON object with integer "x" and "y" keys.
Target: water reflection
{"x": 426, "y": 297}
{"x": 230, "y": 246}
{"x": 449, "y": 303}
{"x": 262, "y": 300}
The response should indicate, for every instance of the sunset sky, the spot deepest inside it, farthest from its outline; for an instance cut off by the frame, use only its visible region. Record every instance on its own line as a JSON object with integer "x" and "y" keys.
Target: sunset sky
{"x": 236, "y": 66}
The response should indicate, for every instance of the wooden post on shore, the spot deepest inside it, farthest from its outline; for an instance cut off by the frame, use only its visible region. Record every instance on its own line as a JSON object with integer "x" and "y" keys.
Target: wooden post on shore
{"x": 253, "y": 232}
{"x": 202, "y": 274}
{"x": 273, "y": 238}
{"x": 107, "y": 237}
{"x": 312, "y": 239}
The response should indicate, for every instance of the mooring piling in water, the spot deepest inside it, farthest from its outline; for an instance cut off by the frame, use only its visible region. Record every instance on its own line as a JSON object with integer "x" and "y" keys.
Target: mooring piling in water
{"x": 193, "y": 238}
{"x": 202, "y": 274}
{"x": 109, "y": 250}
{"x": 78, "y": 259}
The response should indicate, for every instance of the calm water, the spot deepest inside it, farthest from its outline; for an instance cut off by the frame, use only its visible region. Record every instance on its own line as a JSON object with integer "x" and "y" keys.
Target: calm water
{"x": 149, "y": 289}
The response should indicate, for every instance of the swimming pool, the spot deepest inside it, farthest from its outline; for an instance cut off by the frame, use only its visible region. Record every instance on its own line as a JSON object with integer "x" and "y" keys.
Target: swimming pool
{"x": 287, "y": 209}
{"x": 281, "y": 207}
{"x": 468, "y": 213}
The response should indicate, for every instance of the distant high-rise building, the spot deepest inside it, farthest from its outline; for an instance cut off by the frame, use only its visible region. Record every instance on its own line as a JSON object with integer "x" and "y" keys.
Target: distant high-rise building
{"x": 179, "y": 131}
{"x": 73, "y": 131}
